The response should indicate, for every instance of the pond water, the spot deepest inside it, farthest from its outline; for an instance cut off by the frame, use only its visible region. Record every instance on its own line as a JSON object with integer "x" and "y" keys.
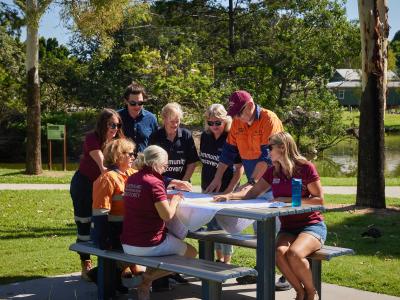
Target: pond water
{"x": 341, "y": 160}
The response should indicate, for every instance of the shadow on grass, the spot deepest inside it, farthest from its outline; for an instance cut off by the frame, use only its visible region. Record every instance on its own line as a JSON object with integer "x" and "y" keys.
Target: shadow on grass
{"x": 19, "y": 172}
{"x": 345, "y": 230}
{"x": 68, "y": 230}
{"x": 18, "y": 278}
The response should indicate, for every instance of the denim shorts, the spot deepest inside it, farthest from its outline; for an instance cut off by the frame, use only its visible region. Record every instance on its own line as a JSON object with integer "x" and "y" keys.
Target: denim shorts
{"x": 317, "y": 230}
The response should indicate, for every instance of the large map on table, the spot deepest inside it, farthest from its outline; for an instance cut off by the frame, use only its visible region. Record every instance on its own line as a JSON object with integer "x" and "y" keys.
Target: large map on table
{"x": 198, "y": 209}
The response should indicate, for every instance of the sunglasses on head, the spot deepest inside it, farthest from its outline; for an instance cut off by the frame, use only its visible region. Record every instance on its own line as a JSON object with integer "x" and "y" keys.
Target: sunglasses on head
{"x": 134, "y": 103}
{"x": 114, "y": 125}
{"x": 214, "y": 123}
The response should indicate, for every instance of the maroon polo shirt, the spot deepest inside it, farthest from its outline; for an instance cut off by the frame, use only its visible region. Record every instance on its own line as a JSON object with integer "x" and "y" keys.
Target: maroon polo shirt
{"x": 282, "y": 187}
{"x": 143, "y": 226}
{"x": 87, "y": 165}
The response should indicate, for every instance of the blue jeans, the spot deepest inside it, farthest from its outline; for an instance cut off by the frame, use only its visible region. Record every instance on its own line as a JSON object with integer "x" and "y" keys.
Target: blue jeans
{"x": 224, "y": 248}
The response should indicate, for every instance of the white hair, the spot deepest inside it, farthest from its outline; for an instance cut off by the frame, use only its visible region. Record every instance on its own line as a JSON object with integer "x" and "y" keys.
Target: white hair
{"x": 170, "y": 110}
{"x": 153, "y": 156}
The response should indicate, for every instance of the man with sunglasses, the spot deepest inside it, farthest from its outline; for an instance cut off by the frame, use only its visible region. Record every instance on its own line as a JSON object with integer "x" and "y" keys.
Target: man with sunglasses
{"x": 138, "y": 123}
{"x": 251, "y": 128}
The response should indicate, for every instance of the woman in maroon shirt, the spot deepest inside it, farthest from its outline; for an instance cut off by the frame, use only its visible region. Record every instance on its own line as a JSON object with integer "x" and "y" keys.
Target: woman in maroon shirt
{"x": 146, "y": 210}
{"x": 108, "y": 127}
{"x": 300, "y": 235}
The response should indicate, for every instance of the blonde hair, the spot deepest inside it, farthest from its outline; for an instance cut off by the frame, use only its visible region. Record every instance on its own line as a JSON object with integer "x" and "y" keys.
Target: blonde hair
{"x": 170, "y": 110}
{"x": 290, "y": 154}
{"x": 217, "y": 111}
{"x": 115, "y": 149}
{"x": 153, "y": 156}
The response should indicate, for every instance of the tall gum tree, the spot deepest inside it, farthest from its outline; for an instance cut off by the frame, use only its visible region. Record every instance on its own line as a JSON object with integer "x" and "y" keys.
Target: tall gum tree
{"x": 33, "y": 138}
{"x": 95, "y": 18}
{"x": 374, "y": 30}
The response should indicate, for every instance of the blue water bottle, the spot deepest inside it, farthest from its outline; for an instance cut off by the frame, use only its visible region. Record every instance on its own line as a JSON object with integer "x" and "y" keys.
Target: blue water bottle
{"x": 296, "y": 192}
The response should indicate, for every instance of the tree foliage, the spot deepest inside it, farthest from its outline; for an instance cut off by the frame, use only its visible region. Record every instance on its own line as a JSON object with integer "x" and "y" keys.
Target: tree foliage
{"x": 281, "y": 51}
{"x": 394, "y": 53}
{"x": 11, "y": 67}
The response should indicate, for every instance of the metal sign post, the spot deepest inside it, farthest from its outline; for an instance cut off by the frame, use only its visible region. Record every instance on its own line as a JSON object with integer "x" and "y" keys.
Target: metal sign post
{"x": 57, "y": 132}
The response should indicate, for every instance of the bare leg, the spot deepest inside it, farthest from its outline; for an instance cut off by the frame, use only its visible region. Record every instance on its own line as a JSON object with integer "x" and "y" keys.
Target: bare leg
{"x": 296, "y": 256}
{"x": 153, "y": 274}
{"x": 227, "y": 259}
{"x": 219, "y": 255}
{"x": 282, "y": 247}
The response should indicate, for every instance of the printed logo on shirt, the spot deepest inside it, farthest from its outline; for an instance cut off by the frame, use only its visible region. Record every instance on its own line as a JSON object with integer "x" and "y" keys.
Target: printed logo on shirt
{"x": 257, "y": 133}
{"x": 209, "y": 159}
{"x": 276, "y": 181}
{"x": 133, "y": 190}
{"x": 176, "y": 165}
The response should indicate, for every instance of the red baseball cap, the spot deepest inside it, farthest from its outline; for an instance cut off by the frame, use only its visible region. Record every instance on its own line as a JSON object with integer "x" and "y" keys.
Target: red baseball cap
{"x": 236, "y": 102}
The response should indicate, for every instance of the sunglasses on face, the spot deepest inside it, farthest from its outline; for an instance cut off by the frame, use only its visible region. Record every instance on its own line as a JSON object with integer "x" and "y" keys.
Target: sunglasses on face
{"x": 131, "y": 154}
{"x": 214, "y": 123}
{"x": 241, "y": 111}
{"x": 270, "y": 146}
{"x": 135, "y": 103}
{"x": 114, "y": 125}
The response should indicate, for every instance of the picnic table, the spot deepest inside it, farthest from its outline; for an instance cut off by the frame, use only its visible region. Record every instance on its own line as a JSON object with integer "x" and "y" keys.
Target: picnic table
{"x": 255, "y": 209}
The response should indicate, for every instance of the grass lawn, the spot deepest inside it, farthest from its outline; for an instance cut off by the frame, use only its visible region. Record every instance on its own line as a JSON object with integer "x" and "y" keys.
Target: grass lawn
{"x": 353, "y": 118}
{"x": 37, "y": 228}
{"x": 351, "y": 199}
{"x": 8, "y": 174}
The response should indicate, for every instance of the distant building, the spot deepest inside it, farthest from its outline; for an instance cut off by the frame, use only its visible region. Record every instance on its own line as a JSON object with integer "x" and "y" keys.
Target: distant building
{"x": 346, "y": 84}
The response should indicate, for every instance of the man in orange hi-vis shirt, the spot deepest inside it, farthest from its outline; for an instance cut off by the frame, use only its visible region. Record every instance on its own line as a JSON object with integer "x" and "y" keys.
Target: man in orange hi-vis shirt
{"x": 251, "y": 128}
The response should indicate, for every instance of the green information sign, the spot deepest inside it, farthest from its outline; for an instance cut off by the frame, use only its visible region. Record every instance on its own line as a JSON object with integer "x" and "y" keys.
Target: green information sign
{"x": 55, "y": 132}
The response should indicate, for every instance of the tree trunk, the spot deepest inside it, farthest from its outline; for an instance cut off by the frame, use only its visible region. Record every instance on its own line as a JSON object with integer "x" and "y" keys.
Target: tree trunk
{"x": 33, "y": 139}
{"x": 371, "y": 157}
{"x": 231, "y": 29}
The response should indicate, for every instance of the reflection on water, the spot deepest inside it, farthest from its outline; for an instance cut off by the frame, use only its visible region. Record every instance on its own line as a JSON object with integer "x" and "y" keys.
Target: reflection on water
{"x": 341, "y": 160}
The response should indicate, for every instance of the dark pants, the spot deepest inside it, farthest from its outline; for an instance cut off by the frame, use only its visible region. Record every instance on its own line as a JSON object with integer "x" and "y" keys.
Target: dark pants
{"x": 81, "y": 194}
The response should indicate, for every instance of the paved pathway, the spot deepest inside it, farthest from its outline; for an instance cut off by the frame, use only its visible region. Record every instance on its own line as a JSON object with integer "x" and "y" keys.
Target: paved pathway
{"x": 70, "y": 286}
{"x": 391, "y": 191}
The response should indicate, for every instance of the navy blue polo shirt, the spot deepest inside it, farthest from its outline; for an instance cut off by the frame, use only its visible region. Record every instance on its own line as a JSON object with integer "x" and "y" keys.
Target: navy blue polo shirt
{"x": 139, "y": 129}
{"x": 181, "y": 151}
{"x": 210, "y": 150}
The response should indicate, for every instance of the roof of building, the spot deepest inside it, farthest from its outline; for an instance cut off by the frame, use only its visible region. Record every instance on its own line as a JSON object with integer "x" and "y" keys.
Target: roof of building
{"x": 353, "y": 84}
{"x": 355, "y": 75}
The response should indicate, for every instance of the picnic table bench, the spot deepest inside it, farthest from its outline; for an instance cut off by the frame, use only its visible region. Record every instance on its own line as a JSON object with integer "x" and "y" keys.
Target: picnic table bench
{"x": 213, "y": 274}
{"x": 208, "y": 238}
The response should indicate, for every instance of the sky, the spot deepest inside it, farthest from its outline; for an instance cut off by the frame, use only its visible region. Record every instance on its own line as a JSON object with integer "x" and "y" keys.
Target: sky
{"x": 52, "y": 26}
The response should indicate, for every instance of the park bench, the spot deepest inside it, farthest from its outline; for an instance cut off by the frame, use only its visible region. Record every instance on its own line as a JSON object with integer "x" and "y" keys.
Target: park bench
{"x": 208, "y": 238}
{"x": 213, "y": 274}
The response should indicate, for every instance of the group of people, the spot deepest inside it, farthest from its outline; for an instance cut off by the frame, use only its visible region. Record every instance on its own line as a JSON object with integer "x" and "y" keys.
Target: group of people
{"x": 120, "y": 195}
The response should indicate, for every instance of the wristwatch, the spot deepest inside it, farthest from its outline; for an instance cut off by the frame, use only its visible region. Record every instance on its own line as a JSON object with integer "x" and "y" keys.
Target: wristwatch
{"x": 251, "y": 181}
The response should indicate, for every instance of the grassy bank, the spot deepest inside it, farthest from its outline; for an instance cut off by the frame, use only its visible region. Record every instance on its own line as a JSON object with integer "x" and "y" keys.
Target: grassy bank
{"x": 392, "y": 121}
{"x": 37, "y": 227}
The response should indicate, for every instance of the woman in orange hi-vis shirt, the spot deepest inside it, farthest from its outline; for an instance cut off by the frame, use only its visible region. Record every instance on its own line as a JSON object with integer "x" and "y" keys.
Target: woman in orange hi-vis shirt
{"x": 108, "y": 205}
